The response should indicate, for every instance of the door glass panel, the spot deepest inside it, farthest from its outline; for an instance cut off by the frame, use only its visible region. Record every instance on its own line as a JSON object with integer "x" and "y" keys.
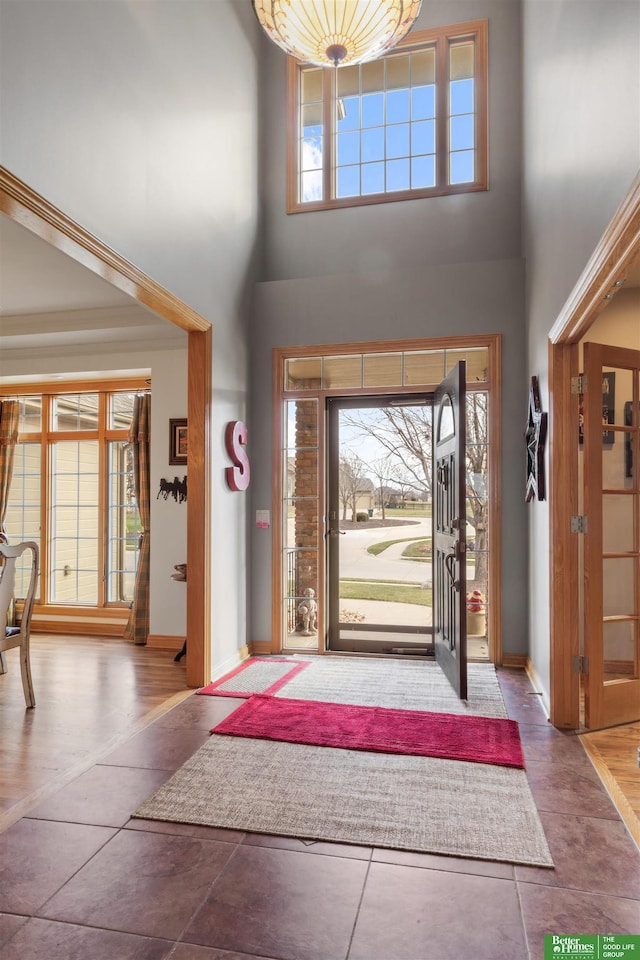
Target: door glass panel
{"x": 618, "y": 586}
{"x": 382, "y": 554}
{"x": 446, "y": 426}
{"x": 618, "y": 528}
{"x": 620, "y": 650}
{"x": 617, "y": 387}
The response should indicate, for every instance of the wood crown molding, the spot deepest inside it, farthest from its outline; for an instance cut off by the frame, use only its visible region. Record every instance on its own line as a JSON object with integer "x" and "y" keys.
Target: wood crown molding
{"x": 28, "y": 208}
{"x": 614, "y": 251}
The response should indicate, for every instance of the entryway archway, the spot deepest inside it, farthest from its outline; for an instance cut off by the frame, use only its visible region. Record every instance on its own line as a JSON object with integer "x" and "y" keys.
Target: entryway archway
{"x": 29, "y": 209}
{"x": 606, "y": 271}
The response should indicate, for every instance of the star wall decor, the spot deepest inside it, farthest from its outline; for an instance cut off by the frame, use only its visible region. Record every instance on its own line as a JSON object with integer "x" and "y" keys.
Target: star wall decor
{"x": 535, "y": 435}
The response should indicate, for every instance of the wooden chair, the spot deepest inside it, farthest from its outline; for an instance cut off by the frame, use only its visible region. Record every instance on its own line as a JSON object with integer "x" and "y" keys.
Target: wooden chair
{"x": 17, "y": 636}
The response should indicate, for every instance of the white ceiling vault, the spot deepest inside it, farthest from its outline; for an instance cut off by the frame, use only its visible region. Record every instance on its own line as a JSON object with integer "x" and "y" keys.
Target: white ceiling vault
{"x": 51, "y": 303}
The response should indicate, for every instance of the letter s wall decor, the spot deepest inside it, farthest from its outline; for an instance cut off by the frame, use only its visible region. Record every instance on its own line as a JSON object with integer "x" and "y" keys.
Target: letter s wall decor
{"x": 235, "y": 439}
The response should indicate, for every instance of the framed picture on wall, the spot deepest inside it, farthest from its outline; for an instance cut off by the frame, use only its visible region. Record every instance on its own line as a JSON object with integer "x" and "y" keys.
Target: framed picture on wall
{"x": 178, "y": 441}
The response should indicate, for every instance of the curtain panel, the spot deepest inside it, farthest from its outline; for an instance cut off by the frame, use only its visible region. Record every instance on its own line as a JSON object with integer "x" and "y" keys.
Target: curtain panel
{"x": 137, "y": 629}
{"x": 9, "y": 416}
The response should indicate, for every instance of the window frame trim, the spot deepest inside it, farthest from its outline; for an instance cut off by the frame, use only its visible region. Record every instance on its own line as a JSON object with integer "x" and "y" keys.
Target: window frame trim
{"x": 441, "y": 37}
{"x": 43, "y": 605}
{"x": 492, "y": 386}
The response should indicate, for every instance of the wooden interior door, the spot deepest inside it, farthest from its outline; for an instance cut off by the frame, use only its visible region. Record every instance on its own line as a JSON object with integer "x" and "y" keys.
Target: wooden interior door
{"x": 450, "y": 529}
{"x": 611, "y": 450}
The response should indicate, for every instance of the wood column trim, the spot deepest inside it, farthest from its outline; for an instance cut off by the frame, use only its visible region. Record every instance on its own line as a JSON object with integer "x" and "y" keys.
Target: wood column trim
{"x": 199, "y": 510}
{"x": 563, "y": 545}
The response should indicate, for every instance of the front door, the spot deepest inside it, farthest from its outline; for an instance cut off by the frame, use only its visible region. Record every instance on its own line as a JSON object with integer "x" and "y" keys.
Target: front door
{"x": 379, "y": 524}
{"x": 611, "y": 451}
{"x": 450, "y": 529}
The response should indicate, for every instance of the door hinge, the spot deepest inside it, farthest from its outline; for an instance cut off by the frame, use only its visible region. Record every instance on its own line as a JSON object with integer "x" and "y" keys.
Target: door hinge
{"x": 579, "y": 664}
{"x": 579, "y": 383}
{"x": 579, "y": 524}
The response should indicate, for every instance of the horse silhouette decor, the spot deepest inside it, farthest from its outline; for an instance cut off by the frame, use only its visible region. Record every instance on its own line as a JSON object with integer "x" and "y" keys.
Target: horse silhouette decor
{"x": 176, "y": 488}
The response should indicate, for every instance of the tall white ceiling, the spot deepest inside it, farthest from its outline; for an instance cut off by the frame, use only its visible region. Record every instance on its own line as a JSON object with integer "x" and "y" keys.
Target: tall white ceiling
{"x": 50, "y": 301}
{"x": 37, "y": 278}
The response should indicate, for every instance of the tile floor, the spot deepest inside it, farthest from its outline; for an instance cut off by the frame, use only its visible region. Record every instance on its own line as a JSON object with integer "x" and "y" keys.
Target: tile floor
{"x": 79, "y": 880}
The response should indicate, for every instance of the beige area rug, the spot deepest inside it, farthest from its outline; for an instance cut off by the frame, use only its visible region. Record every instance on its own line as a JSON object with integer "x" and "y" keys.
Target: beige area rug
{"x": 399, "y": 684}
{"x": 422, "y": 804}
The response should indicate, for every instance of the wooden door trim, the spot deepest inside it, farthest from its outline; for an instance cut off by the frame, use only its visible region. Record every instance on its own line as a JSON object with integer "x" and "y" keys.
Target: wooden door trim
{"x": 493, "y": 343}
{"x": 618, "y": 246}
{"x": 24, "y": 206}
{"x": 199, "y": 509}
{"x": 563, "y": 559}
{"x": 31, "y": 210}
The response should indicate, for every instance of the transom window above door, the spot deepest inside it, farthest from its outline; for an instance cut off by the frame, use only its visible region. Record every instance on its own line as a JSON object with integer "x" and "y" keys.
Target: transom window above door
{"x": 402, "y": 368}
{"x": 411, "y": 124}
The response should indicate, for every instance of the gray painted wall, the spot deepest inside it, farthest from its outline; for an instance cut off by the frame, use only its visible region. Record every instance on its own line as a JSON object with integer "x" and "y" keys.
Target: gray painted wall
{"x": 433, "y": 301}
{"x": 140, "y": 121}
{"x": 396, "y": 236}
{"x": 420, "y": 268}
{"x": 581, "y": 152}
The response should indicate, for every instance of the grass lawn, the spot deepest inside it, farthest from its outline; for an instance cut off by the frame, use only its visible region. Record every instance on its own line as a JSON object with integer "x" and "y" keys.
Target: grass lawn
{"x": 409, "y": 510}
{"x": 420, "y": 550}
{"x": 377, "y": 548}
{"x": 387, "y": 591}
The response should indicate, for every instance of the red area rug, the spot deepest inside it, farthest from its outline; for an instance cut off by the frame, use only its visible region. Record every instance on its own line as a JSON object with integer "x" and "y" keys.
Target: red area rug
{"x": 377, "y": 729}
{"x": 258, "y": 675}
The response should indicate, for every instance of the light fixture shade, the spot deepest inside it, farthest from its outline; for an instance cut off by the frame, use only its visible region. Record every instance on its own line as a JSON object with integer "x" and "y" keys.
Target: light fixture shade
{"x": 336, "y": 32}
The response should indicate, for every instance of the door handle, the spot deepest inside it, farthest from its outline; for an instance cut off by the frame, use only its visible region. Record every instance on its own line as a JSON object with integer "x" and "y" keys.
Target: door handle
{"x": 449, "y": 561}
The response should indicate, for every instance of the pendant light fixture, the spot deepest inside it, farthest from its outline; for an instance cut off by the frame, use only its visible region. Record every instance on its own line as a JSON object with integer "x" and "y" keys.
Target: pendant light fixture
{"x": 333, "y": 33}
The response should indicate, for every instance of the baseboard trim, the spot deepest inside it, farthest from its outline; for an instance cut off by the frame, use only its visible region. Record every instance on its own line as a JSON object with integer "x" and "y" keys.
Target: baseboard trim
{"x": 85, "y": 628}
{"x": 519, "y": 660}
{"x": 165, "y": 641}
{"x": 258, "y": 648}
{"x": 538, "y": 687}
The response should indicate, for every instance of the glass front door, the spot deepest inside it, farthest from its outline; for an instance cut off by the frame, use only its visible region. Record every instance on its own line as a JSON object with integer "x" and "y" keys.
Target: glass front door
{"x": 378, "y": 527}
